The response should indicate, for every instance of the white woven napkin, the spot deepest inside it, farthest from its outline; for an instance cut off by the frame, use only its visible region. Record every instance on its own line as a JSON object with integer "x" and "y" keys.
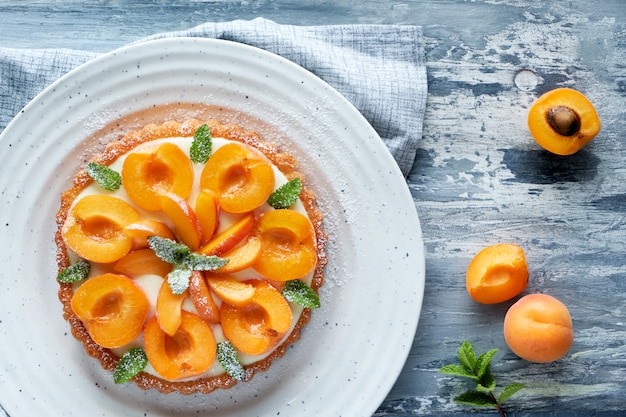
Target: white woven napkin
{"x": 380, "y": 69}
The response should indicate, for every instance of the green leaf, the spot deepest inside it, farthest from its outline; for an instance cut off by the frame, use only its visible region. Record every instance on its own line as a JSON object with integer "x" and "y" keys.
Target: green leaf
{"x": 298, "y": 292}
{"x": 78, "y": 271}
{"x": 476, "y": 398}
{"x": 199, "y": 262}
{"x": 458, "y": 370}
{"x": 202, "y": 145}
{"x": 286, "y": 195}
{"x": 227, "y": 357}
{"x": 486, "y": 383}
{"x": 483, "y": 361}
{"x": 168, "y": 250}
{"x": 508, "y": 391}
{"x": 178, "y": 279}
{"x": 467, "y": 356}
{"x": 132, "y": 362}
{"x": 106, "y": 177}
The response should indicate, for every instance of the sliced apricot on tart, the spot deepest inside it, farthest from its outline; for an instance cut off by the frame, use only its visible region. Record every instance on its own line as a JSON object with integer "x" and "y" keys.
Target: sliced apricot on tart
{"x": 169, "y": 309}
{"x": 202, "y": 299}
{"x": 241, "y": 257}
{"x": 189, "y": 352}
{"x": 241, "y": 178}
{"x": 231, "y": 290}
{"x": 144, "y": 228}
{"x": 230, "y": 237}
{"x": 287, "y": 245}
{"x": 207, "y": 211}
{"x": 142, "y": 262}
{"x": 186, "y": 224}
{"x": 94, "y": 228}
{"x": 257, "y": 326}
{"x": 147, "y": 176}
{"x": 112, "y": 308}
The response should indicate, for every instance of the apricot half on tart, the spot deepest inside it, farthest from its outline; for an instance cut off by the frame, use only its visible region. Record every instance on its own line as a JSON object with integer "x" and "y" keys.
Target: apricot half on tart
{"x": 94, "y": 228}
{"x": 254, "y": 327}
{"x": 563, "y": 121}
{"x": 190, "y": 351}
{"x": 112, "y": 308}
{"x": 148, "y": 176}
{"x": 287, "y": 245}
{"x": 240, "y": 177}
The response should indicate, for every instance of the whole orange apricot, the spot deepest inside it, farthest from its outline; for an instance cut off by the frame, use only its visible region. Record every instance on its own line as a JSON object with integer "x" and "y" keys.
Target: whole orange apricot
{"x": 538, "y": 328}
{"x": 497, "y": 273}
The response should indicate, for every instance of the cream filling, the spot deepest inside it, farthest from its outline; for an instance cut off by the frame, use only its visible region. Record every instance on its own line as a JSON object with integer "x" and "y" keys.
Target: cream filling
{"x": 150, "y": 284}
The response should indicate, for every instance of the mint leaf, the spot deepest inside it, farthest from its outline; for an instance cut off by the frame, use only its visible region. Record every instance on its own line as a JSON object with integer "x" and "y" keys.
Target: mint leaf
{"x": 457, "y": 370}
{"x": 467, "y": 356}
{"x": 199, "y": 262}
{"x": 486, "y": 383}
{"x": 286, "y": 195}
{"x": 168, "y": 250}
{"x": 132, "y": 362}
{"x": 298, "y": 292}
{"x": 227, "y": 357}
{"x": 478, "y": 368}
{"x": 479, "y": 399}
{"x": 78, "y": 271}
{"x": 483, "y": 361}
{"x": 106, "y": 177}
{"x": 202, "y": 145}
{"x": 508, "y": 391}
{"x": 178, "y": 279}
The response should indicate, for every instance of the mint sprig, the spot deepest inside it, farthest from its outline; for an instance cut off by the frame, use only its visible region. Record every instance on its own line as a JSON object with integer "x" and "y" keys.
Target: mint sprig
{"x": 202, "y": 145}
{"x": 184, "y": 261}
{"x": 286, "y": 195}
{"x": 478, "y": 369}
{"x": 227, "y": 357}
{"x": 299, "y": 293}
{"x": 132, "y": 362}
{"x": 106, "y": 177}
{"x": 78, "y": 271}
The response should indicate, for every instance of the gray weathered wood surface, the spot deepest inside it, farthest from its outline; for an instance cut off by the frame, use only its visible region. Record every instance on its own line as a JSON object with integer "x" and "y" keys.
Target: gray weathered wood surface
{"x": 478, "y": 179}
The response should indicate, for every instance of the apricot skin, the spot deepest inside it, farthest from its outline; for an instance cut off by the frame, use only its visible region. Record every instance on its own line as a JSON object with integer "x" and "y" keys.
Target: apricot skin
{"x": 538, "y": 328}
{"x": 497, "y": 273}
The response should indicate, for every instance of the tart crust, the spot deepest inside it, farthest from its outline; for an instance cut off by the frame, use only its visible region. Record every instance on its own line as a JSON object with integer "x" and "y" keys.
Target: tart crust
{"x": 285, "y": 162}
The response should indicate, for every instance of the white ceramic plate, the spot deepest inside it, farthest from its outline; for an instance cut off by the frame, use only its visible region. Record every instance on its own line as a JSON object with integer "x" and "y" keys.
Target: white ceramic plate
{"x": 353, "y": 350}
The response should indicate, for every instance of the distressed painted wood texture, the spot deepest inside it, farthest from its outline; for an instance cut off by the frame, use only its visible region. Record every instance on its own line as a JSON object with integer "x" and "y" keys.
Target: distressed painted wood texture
{"x": 478, "y": 179}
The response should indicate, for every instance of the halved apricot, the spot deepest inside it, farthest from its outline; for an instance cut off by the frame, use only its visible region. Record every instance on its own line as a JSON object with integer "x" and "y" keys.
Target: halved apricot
{"x": 112, "y": 308}
{"x": 241, "y": 257}
{"x": 241, "y": 178}
{"x": 169, "y": 308}
{"x": 202, "y": 299}
{"x": 230, "y": 237}
{"x": 189, "y": 352}
{"x": 207, "y": 211}
{"x": 231, "y": 290}
{"x": 497, "y": 273}
{"x": 142, "y": 262}
{"x": 186, "y": 225}
{"x": 139, "y": 232}
{"x": 94, "y": 228}
{"x": 563, "y": 121}
{"x": 163, "y": 170}
{"x": 287, "y": 245}
{"x": 259, "y": 325}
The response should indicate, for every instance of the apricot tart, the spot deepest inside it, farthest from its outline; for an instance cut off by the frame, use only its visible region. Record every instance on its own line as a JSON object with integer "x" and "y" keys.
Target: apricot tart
{"x": 190, "y": 256}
